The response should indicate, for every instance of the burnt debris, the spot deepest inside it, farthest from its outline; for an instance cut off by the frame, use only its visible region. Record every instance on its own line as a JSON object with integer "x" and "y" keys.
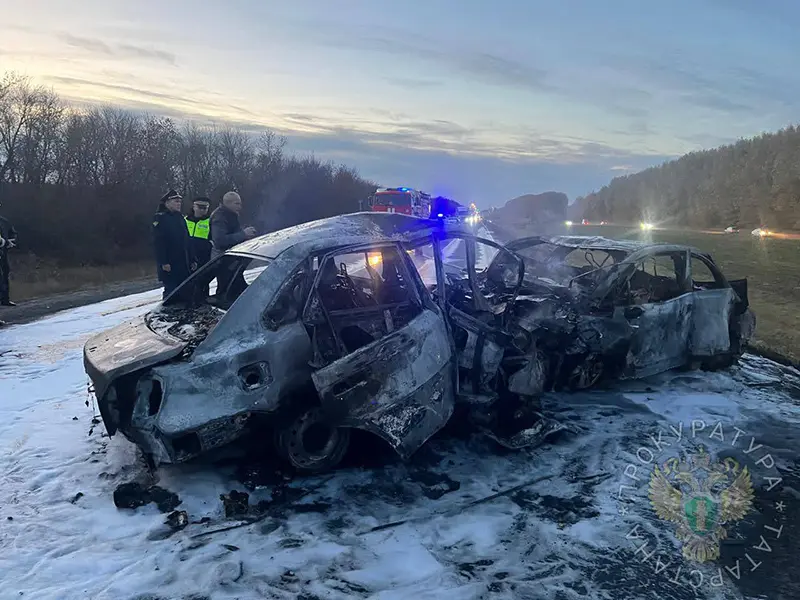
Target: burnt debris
{"x": 133, "y": 495}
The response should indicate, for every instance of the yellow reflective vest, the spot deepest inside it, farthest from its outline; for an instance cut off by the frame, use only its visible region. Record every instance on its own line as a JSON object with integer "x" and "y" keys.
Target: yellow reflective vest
{"x": 199, "y": 229}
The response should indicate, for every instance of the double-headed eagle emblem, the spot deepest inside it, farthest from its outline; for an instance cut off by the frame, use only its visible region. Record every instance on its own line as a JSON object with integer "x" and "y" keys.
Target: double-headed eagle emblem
{"x": 701, "y": 497}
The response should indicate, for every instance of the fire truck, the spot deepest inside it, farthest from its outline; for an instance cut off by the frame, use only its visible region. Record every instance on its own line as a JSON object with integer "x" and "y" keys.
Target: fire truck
{"x": 401, "y": 200}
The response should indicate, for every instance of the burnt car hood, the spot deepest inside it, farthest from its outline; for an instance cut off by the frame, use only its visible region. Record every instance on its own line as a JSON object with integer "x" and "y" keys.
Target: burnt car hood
{"x": 125, "y": 349}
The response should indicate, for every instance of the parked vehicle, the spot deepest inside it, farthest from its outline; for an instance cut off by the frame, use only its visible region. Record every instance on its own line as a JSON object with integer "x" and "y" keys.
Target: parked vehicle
{"x": 340, "y": 323}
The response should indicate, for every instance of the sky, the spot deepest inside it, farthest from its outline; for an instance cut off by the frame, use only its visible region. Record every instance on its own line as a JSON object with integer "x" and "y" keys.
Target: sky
{"x": 481, "y": 101}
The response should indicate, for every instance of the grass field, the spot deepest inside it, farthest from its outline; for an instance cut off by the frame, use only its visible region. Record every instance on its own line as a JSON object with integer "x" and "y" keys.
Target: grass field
{"x": 32, "y": 279}
{"x": 771, "y": 266}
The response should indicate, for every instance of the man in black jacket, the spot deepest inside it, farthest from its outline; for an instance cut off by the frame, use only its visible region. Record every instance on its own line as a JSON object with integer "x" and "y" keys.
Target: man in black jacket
{"x": 8, "y": 239}
{"x": 226, "y": 232}
{"x": 172, "y": 243}
{"x": 225, "y": 229}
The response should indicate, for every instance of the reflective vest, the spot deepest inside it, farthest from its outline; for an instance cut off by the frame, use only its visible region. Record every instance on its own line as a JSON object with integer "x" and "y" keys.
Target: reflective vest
{"x": 199, "y": 229}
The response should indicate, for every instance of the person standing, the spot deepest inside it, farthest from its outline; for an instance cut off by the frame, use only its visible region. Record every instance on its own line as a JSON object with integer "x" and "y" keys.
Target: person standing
{"x": 172, "y": 242}
{"x": 8, "y": 240}
{"x": 199, "y": 225}
{"x": 226, "y": 232}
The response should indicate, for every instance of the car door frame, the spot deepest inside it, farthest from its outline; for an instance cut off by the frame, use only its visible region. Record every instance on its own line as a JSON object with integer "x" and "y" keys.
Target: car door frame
{"x": 673, "y": 317}
{"x": 489, "y": 340}
{"x": 398, "y": 387}
{"x": 712, "y": 312}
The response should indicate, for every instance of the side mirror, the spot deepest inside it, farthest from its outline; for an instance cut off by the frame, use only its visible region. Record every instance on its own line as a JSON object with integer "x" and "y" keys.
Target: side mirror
{"x": 633, "y": 312}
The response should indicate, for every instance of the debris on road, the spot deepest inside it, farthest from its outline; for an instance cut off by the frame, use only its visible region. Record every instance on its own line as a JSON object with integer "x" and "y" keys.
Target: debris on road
{"x": 177, "y": 520}
{"x": 133, "y": 495}
{"x": 236, "y": 504}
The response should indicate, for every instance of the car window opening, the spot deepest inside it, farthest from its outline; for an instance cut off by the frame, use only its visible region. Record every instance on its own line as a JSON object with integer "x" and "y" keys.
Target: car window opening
{"x": 360, "y": 297}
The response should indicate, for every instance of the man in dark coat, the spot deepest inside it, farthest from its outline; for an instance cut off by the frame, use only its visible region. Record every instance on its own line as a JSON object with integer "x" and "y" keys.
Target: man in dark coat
{"x": 172, "y": 242}
{"x": 8, "y": 239}
{"x": 225, "y": 229}
{"x": 226, "y": 232}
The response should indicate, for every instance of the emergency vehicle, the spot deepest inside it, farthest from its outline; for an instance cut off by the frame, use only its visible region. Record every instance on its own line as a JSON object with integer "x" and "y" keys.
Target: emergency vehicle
{"x": 401, "y": 200}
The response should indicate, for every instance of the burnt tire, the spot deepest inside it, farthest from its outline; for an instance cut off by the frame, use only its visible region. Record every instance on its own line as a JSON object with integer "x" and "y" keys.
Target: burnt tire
{"x": 308, "y": 443}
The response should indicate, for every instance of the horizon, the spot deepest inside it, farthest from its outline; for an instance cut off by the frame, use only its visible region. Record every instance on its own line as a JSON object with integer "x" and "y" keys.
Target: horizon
{"x": 480, "y": 104}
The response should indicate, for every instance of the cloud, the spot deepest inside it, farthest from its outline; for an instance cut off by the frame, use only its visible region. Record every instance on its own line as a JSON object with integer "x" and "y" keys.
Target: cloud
{"x": 478, "y": 65}
{"x": 734, "y": 90}
{"x": 408, "y": 82}
{"x": 462, "y": 168}
{"x": 489, "y": 68}
{"x": 123, "y": 51}
{"x": 186, "y": 105}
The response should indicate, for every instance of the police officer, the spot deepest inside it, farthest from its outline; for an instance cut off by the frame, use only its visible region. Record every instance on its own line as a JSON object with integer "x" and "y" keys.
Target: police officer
{"x": 199, "y": 226}
{"x": 8, "y": 239}
{"x": 172, "y": 242}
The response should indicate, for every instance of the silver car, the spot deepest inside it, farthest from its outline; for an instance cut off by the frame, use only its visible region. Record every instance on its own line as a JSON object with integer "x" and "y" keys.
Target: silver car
{"x": 389, "y": 324}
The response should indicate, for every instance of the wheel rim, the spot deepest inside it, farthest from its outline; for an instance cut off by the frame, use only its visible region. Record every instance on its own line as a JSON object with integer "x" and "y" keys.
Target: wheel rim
{"x": 308, "y": 441}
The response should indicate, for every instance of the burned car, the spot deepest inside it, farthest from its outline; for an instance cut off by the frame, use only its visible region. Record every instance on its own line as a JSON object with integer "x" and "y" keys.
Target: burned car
{"x": 599, "y": 308}
{"x": 341, "y": 323}
{"x": 392, "y": 324}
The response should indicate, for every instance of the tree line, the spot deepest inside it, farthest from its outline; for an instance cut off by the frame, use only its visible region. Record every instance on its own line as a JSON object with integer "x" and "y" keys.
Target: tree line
{"x": 81, "y": 185}
{"x": 754, "y": 182}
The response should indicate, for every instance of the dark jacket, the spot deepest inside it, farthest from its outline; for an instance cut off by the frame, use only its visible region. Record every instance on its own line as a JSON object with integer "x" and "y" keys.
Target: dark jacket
{"x": 7, "y": 232}
{"x": 172, "y": 244}
{"x": 225, "y": 230}
{"x": 200, "y": 246}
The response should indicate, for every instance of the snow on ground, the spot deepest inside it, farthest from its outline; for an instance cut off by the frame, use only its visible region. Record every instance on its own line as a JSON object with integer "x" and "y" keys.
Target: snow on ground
{"x": 564, "y": 536}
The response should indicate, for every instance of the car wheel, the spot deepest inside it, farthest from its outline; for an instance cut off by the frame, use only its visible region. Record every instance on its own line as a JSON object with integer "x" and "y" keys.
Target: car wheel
{"x": 587, "y": 374}
{"x": 309, "y": 443}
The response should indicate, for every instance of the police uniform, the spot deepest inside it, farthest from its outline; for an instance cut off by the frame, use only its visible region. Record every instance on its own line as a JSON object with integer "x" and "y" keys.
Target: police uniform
{"x": 200, "y": 234}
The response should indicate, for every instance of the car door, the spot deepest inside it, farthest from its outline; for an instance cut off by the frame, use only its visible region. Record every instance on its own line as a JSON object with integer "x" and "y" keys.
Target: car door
{"x": 657, "y": 306}
{"x": 714, "y": 302}
{"x": 382, "y": 347}
{"x": 480, "y": 291}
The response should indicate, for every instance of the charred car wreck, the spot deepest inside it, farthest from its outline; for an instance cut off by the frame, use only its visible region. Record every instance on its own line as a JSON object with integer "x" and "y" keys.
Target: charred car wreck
{"x": 389, "y": 324}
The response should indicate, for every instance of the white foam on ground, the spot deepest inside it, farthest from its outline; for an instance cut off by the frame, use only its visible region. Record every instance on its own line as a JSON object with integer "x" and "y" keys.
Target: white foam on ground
{"x": 560, "y": 538}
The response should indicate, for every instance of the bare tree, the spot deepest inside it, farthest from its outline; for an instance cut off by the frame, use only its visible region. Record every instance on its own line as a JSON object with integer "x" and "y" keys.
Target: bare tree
{"x": 102, "y": 169}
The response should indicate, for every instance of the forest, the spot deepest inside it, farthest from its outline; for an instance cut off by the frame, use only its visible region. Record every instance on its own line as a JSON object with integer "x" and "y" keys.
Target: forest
{"x": 81, "y": 185}
{"x": 752, "y": 183}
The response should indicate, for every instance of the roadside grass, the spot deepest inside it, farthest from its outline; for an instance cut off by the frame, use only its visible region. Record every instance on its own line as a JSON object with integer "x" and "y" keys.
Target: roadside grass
{"x": 771, "y": 266}
{"x": 32, "y": 278}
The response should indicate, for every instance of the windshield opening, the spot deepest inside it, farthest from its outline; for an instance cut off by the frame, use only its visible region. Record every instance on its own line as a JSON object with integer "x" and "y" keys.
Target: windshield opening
{"x": 218, "y": 283}
{"x": 563, "y": 264}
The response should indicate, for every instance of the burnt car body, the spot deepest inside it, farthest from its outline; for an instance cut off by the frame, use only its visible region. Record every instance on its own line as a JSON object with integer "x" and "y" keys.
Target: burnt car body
{"x": 600, "y": 308}
{"x": 385, "y": 323}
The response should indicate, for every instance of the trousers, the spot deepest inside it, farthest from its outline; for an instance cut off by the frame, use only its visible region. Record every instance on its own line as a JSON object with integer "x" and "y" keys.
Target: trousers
{"x": 5, "y": 273}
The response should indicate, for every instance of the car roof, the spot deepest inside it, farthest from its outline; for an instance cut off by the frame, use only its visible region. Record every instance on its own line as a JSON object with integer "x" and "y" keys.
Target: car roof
{"x": 600, "y": 243}
{"x": 597, "y": 242}
{"x": 341, "y": 230}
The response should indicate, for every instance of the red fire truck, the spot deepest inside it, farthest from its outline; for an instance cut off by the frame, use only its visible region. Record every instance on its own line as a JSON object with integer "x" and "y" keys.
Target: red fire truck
{"x": 401, "y": 200}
